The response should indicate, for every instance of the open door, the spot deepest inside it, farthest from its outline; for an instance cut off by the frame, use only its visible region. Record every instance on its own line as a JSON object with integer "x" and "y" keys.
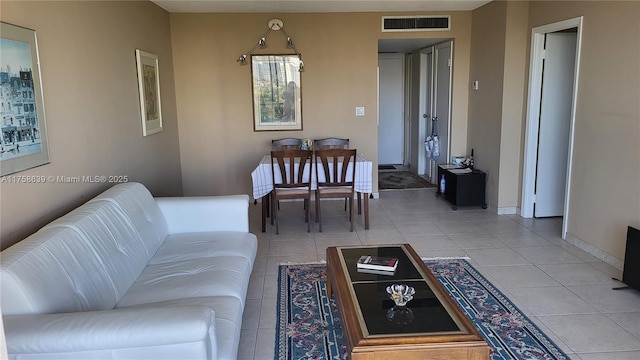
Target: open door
{"x": 555, "y": 121}
{"x": 555, "y": 56}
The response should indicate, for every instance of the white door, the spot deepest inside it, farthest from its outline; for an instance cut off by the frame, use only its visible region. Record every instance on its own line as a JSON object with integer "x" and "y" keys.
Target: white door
{"x": 426, "y": 96}
{"x": 391, "y": 108}
{"x": 555, "y": 121}
{"x": 439, "y": 119}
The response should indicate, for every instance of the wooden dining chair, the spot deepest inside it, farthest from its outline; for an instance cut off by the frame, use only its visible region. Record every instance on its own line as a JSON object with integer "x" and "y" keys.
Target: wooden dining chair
{"x": 330, "y": 143}
{"x": 335, "y": 174}
{"x": 294, "y": 182}
{"x": 286, "y": 144}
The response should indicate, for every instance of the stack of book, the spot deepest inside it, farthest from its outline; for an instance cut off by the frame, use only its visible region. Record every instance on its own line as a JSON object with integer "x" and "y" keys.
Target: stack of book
{"x": 377, "y": 265}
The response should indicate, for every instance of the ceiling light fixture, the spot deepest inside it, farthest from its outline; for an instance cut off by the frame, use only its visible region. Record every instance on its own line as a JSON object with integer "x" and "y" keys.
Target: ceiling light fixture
{"x": 277, "y": 25}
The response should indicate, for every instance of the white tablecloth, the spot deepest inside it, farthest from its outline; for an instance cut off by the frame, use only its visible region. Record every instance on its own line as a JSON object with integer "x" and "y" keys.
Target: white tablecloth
{"x": 263, "y": 181}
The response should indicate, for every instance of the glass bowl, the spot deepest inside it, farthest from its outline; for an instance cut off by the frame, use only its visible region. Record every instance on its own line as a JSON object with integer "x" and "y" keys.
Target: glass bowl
{"x": 401, "y": 294}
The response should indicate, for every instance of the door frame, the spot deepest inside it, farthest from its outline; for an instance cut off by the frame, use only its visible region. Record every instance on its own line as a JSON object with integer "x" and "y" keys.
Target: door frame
{"x": 533, "y": 116}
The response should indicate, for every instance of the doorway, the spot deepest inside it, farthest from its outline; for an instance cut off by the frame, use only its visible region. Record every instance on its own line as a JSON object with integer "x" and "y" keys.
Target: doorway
{"x": 391, "y": 108}
{"x": 555, "y": 58}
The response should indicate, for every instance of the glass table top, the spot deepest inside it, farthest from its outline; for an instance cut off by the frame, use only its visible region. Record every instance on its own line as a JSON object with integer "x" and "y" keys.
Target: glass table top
{"x": 424, "y": 314}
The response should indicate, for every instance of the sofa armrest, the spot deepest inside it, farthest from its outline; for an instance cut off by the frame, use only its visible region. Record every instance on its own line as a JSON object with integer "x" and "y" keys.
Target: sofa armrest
{"x": 205, "y": 213}
{"x": 89, "y": 331}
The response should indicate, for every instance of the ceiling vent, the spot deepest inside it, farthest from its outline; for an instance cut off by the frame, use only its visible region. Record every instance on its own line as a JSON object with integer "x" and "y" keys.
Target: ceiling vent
{"x": 415, "y": 23}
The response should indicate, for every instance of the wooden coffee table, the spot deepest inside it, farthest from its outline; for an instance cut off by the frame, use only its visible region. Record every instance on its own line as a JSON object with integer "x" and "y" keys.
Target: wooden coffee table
{"x": 430, "y": 327}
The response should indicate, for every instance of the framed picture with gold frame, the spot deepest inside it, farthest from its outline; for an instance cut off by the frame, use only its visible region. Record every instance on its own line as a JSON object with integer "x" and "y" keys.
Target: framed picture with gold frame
{"x": 277, "y": 103}
{"x": 149, "y": 90}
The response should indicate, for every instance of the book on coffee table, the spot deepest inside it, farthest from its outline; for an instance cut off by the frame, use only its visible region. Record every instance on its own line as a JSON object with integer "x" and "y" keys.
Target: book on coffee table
{"x": 376, "y": 272}
{"x": 377, "y": 263}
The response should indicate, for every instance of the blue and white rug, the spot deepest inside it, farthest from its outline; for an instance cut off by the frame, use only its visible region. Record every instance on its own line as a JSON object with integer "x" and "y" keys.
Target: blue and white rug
{"x": 309, "y": 324}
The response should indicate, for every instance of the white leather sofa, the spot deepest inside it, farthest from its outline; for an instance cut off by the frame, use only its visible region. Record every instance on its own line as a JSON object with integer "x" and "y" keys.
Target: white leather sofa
{"x": 129, "y": 276}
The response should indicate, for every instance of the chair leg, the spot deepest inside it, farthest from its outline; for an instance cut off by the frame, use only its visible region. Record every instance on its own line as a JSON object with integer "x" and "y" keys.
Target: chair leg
{"x": 307, "y": 213}
{"x": 351, "y": 213}
{"x": 317, "y": 200}
{"x": 319, "y": 214}
{"x": 274, "y": 214}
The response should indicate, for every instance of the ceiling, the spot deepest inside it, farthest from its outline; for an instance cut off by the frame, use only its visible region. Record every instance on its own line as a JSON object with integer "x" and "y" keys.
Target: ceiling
{"x": 292, "y": 6}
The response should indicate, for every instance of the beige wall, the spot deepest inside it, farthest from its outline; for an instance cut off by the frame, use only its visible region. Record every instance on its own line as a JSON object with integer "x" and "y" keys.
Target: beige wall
{"x": 219, "y": 148}
{"x": 514, "y": 91}
{"x": 605, "y": 186}
{"x": 87, "y": 56}
{"x": 485, "y": 104}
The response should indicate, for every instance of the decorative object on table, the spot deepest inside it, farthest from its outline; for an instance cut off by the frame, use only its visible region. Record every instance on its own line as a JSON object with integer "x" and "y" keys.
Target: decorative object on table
{"x": 468, "y": 162}
{"x": 401, "y": 294}
{"x": 306, "y": 144}
{"x": 377, "y": 263}
{"x": 149, "y": 90}
{"x": 400, "y": 315}
{"x": 458, "y": 160}
{"x": 309, "y": 324}
{"x": 23, "y": 144}
{"x": 277, "y": 103}
{"x": 394, "y": 180}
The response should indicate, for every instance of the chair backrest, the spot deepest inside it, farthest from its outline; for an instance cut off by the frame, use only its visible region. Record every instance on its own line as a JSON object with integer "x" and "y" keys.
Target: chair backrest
{"x": 294, "y": 166}
{"x": 338, "y": 167}
{"x": 286, "y": 143}
{"x": 330, "y": 143}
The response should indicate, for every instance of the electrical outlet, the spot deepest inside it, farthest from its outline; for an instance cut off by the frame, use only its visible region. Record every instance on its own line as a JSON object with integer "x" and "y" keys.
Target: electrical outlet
{"x": 359, "y": 110}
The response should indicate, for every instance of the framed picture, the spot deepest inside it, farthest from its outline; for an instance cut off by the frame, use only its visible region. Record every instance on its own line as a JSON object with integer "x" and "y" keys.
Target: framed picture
{"x": 277, "y": 103}
{"x": 149, "y": 89}
{"x": 23, "y": 142}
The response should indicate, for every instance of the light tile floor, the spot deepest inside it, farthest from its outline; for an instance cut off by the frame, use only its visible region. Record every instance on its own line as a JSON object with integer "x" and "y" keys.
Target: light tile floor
{"x": 566, "y": 291}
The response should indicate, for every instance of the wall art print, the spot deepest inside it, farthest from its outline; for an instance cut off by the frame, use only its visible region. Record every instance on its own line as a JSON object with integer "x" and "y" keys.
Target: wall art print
{"x": 277, "y": 104}
{"x": 149, "y": 89}
{"x": 23, "y": 141}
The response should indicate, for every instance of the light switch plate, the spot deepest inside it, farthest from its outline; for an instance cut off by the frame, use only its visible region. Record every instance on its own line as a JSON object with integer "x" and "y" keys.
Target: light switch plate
{"x": 475, "y": 84}
{"x": 359, "y": 110}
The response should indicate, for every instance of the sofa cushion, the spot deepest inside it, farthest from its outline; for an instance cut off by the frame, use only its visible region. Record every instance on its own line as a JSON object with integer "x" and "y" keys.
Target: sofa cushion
{"x": 138, "y": 206}
{"x": 218, "y": 276}
{"x": 228, "y": 320}
{"x": 189, "y": 246}
{"x": 43, "y": 274}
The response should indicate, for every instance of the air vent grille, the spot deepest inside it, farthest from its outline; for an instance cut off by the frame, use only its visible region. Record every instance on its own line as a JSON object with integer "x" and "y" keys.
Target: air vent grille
{"x": 415, "y": 23}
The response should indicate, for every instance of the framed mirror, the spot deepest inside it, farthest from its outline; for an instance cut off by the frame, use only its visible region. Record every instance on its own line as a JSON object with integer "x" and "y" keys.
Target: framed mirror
{"x": 277, "y": 103}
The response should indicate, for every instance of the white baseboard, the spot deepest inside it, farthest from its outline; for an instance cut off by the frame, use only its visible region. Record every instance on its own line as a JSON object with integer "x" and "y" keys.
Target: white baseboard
{"x": 601, "y": 255}
{"x": 507, "y": 210}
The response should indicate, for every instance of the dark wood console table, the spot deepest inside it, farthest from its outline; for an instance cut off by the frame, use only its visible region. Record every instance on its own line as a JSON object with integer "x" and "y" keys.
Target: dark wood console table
{"x": 462, "y": 188}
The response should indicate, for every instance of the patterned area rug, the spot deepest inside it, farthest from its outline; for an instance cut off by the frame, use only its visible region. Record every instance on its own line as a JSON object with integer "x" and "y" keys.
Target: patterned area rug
{"x": 309, "y": 324}
{"x": 401, "y": 180}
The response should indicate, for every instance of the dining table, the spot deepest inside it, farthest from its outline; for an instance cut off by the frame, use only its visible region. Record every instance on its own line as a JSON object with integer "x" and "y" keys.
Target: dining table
{"x": 262, "y": 180}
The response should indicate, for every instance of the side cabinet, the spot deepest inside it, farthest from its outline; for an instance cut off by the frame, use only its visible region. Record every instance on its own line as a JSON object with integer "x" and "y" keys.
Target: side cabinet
{"x": 466, "y": 189}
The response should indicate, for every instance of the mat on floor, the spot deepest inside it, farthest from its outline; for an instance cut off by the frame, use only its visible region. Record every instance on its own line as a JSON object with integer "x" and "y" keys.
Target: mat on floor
{"x": 309, "y": 326}
{"x": 401, "y": 180}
